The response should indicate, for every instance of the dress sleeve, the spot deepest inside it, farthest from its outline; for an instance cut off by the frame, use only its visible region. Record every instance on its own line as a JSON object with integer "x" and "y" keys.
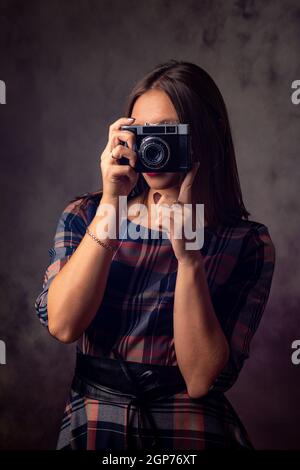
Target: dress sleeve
{"x": 243, "y": 300}
{"x": 70, "y": 230}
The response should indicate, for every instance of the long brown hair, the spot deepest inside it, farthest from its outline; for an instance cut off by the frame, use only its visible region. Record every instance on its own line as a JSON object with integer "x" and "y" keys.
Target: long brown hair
{"x": 198, "y": 101}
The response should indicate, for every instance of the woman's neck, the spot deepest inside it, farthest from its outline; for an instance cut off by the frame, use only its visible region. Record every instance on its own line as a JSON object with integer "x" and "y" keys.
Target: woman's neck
{"x": 148, "y": 199}
{"x": 172, "y": 192}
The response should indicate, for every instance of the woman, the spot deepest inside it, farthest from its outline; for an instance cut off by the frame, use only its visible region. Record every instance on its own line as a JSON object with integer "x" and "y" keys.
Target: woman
{"x": 162, "y": 331}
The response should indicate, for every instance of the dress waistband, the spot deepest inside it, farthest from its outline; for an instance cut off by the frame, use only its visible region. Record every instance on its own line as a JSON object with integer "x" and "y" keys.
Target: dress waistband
{"x": 141, "y": 382}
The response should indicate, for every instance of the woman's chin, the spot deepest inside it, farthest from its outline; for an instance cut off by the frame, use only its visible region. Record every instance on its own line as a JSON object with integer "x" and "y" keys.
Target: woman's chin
{"x": 161, "y": 180}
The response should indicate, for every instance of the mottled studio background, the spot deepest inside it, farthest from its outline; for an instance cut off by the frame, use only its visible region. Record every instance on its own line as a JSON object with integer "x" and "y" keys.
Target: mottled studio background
{"x": 68, "y": 66}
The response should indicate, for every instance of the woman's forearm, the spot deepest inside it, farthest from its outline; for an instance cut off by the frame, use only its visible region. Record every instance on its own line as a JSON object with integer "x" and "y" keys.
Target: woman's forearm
{"x": 76, "y": 292}
{"x": 200, "y": 344}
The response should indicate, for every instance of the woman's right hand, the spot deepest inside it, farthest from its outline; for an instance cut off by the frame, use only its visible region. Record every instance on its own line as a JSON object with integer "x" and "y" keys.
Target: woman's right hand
{"x": 118, "y": 180}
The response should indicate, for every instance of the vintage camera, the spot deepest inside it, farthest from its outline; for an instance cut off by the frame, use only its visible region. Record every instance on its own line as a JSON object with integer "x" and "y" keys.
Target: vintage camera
{"x": 160, "y": 148}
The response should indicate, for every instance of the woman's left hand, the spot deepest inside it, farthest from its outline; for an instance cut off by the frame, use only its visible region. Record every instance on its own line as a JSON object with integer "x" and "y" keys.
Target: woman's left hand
{"x": 172, "y": 217}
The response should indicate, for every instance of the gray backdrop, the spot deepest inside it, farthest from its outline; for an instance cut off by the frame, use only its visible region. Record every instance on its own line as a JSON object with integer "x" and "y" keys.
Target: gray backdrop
{"x": 68, "y": 67}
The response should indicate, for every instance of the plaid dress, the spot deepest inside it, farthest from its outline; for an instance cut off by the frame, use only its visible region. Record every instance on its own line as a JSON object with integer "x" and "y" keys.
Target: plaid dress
{"x": 136, "y": 317}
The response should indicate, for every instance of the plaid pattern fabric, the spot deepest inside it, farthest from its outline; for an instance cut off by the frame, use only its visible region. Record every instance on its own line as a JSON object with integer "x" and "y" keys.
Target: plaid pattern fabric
{"x": 136, "y": 316}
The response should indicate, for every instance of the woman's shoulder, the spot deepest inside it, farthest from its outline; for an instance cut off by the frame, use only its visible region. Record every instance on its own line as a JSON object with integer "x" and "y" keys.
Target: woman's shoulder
{"x": 255, "y": 229}
{"x": 242, "y": 228}
{"x": 246, "y": 236}
{"x": 83, "y": 206}
{"x": 85, "y": 199}
{"x": 255, "y": 238}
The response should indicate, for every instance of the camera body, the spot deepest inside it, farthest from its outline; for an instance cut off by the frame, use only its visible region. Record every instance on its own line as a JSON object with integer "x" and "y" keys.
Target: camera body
{"x": 160, "y": 148}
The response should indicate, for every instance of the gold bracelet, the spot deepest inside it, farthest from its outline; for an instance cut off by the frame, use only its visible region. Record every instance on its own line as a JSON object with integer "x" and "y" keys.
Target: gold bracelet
{"x": 106, "y": 245}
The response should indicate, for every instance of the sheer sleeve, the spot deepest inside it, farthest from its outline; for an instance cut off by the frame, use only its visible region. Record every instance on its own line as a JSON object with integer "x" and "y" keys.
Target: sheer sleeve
{"x": 243, "y": 301}
{"x": 70, "y": 230}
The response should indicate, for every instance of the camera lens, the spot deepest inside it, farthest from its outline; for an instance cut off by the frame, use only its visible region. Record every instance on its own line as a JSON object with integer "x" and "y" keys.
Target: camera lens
{"x": 155, "y": 152}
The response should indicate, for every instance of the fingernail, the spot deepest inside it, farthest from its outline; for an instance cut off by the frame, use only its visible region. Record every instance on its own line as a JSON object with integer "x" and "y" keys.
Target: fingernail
{"x": 131, "y": 119}
{"x": 156, "y": 197}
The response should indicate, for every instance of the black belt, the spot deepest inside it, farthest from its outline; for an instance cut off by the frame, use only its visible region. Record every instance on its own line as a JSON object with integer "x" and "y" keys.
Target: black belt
{"x": 143, "y": 383}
